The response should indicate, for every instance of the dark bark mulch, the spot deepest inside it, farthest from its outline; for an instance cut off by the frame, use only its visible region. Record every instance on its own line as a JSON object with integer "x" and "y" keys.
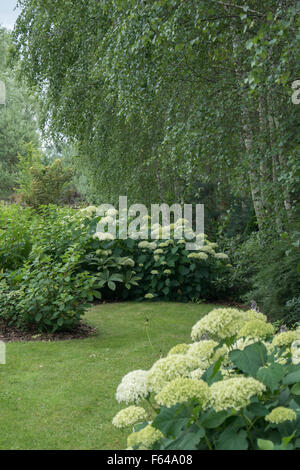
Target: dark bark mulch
{"x": 10, "y": 333}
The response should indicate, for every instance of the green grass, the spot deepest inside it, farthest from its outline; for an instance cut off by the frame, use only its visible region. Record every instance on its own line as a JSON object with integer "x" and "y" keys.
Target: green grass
{"x": 61, "y": 395}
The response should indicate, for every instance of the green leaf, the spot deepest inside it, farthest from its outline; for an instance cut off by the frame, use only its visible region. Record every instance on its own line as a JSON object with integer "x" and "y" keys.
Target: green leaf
{"x": 171, "y": 421}
{"x": 257, "y": 409}
{"x": 213, "y": 374}
{"x": 38, "y": 317}
{"x": 97, "y": 294}
{"x": 116, "y": 277}
{"x": 213, "y": 419}
{"x": 295, "y": 390}
{"x": 271, "y": 375}
{"x": 250, "y": 359}
{"x": 286, "y": 440}
{"x": 111, "y": 285}
{"x": 264, "y": 444}
{"x": 188, "y": 440}
{"x": 232, "y": 440}
{"x": 293, "y": 377}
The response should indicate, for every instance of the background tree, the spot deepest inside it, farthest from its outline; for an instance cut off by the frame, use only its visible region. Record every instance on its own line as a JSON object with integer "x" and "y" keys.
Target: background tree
{"x": 42, "y": 183}
{"x": 18, "y": 120}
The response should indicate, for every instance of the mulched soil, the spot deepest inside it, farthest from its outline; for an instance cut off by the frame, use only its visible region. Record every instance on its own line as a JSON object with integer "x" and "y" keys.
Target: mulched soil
{"x": 10, "y": 333}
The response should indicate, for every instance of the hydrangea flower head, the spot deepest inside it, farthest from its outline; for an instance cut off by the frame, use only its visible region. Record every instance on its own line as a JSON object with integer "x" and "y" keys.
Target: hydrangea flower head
{"x": 295, "y": 350}
{"x": 197, "y": 373}
{"x": 280, "y": 415}
{"x": 179, "y": 349}
{"x": 167, "y": 369}
{"x": 181, "y": 390}
{"x": 198, "y": 256}
{"x": 254, "y": 315}
{"x": 102, "y": 236}
{"x": 111, "y": 212}
{"x": 221, "y": 256}
{"x": 203, "y": 352}
{"x": 90, "y": 210}
{"x": 133, "y": 387}
{"x": 286, "y": 338}
{"x": 208, "y": 249}
{"x": 219, "y": 324}
{"x": 235, "y": 393}
{"x": 242, "y": 343}
{"x": 145, "y": 438}
{"x": 257, "y": 329}
{"x": 129, "y": 416}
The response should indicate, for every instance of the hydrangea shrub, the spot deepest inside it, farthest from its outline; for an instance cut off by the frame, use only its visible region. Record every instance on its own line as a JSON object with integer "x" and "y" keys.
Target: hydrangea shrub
{"x": 235, "y": 387}
{"x": 102, "y": 267}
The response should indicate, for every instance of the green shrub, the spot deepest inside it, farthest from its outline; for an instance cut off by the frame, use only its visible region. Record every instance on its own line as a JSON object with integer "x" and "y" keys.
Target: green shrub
{"x": 237, "y": 387}
{"x": 16, "y": 224}
{"x": 246, "y": 261}
{"x": 292, "y": 308}
{"x": 277, "y": 280}
{"x": 115, "y": 268}
{"x": 47, "y": 293}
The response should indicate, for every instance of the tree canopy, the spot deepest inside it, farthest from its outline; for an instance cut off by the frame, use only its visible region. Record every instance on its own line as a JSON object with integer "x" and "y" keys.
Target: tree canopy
{"x": 173, "y": 101}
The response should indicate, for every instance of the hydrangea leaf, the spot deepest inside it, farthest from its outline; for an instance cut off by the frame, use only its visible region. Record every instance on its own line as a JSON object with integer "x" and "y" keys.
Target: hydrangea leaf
{"x": 295, "y": 390}
{"x": 250, "y": 359}
{"x": 213, "y": 374}
{"x": 264, "y": 444}
{"x": 232, "y": 440}
{"x": 293, "y": 377}
{"x": 188, "y": 440}
{"x": 171, "y": 421}
{"x": 271, "y": 375}
{"x": 213, "y": 419}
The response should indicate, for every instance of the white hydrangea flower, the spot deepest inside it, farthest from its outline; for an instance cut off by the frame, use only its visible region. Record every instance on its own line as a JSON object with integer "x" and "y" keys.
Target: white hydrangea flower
{"x": 197, "y": 373}
{"x": 221, "y": 256}
{"x": 235, "y": 392}
{"x": 208, "y": 249}
{"x": 203, "y": 353}
{"x": 167, "y": 369}
{"x": 199, "y": 256}
{"x": 295, "y": 350}
{"x": 89, "y": 210}
{"x": 181, "y": 390}
{"x": 129, "y": 416}
{"x": 133, "y": 387}
{"x": 103, "y": 236}
{"x": 242, "y": 343}
{"x": 254, "y": 315}
{"x": 112, "y": 212}
{"x": 219, "y": 324}
{"x": 107, "y": 220}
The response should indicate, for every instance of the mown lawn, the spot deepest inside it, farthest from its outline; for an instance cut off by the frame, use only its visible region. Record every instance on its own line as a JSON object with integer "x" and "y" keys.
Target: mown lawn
{"x": 61, "y": 395}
